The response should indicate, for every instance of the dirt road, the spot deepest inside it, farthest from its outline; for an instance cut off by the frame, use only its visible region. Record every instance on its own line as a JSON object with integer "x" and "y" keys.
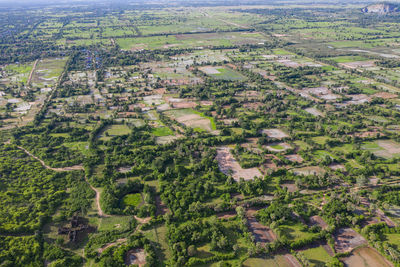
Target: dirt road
{"x": 28, "y": 83}
{"x": 72, "y": 168}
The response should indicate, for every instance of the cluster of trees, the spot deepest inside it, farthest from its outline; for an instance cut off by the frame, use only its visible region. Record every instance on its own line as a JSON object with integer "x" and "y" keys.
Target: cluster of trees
{"x": 115, "y": 256}
{"x": 339, "y": 210}
{"x": 31, "y": 193}
{"x": 376, "y": 235}
{"x": 184, "y": 238}
{"x": 112, "y": 195}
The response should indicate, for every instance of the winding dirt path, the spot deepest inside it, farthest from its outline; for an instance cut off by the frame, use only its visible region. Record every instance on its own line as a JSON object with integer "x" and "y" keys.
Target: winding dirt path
{"x": 72, "y": 168}
{"x": 119, "y": 241}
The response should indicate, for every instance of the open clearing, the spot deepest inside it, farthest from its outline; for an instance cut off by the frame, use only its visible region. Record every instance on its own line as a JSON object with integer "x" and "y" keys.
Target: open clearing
{"x": 317, "y": 220}
{"x": 278, "y": 147}
{"x": 366, "y": 257}
{"x": 275, "y": 133}
{"x": 310, "y": 170}
{"x": 383, "y": 148}
{"x": 314, "y": 111}
{"x": 317, "y": 255}
{"x": 275, "y": 261}
{"x": 229, "y": 166}
{"x": 136, "y": 257}
{"x": 222, "y": 73}
{"x": 346, "y": 239}
{"x": 192, "y": 118}
{"x": 261, "y": 233}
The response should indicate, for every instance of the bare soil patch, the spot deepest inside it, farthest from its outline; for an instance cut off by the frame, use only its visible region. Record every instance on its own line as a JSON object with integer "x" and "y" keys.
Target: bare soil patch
{"x": 291, "y": 187}
{"x": 317, "y": 220}
{"x": 294, "y": 158}
{"x": 390, "y": 146}
{"x": 275, "y": 133}
{"x": 358, "y": 64}
{"x": 346, "y": 239}
{"x": 262, "y": 233}
{"x": 226, "y": 215}
{"x": 184, "y": 104}
{"x": 292, "y": 260}
{"x": 136, "y": 256}
{"x": 229, "y": 166}
{"x": 209, "y": 70}
{"x": 321, "y": 92}
{"x": 366, "y": 257}
{"x": 385, "y": 95}
{"x": 337, "y": 166}
{"x": 314, "y": 111}
{"x": 161, "y": 207}
{"x": 310, "y": 170}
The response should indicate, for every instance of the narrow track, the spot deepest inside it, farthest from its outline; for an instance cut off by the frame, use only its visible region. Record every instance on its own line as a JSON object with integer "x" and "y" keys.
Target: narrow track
{"x": 72, "y": 168}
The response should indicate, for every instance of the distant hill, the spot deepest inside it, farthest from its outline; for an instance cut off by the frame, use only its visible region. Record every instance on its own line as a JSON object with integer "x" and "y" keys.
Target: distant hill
{"x": 382, "y": 8}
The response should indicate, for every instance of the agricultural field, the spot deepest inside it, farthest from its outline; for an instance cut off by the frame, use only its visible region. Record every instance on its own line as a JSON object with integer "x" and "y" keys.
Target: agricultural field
{"x": 200, "y": 134}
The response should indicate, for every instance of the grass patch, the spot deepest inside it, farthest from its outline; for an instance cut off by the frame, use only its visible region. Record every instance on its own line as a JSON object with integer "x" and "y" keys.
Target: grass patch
{"x": 132, "y": 200}
{"x": 317, "y": 256}
{"x": 162, "y": 131}
{"x": 226, "y": 73}
{"x": 295, "y": 231}
{"x": 115, "y": 223}
{"x": 114, "y": 130}
{"x": 277, "y": 147}
{"x": 276, "y": 261}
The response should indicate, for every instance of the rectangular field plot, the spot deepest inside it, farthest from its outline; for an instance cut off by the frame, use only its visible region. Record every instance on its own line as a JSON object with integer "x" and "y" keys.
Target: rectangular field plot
{"x": 190, "y": 40}
{"x": 346, "y": 239}
{"x": 192, "y": 118}
{"x": 16, "y": 73}
{"x": 114, "y": 130}
{"x": 365, "y": 257}
{"x": 383, "y": 148}
{"x": 275, "y": 133}
{"x": 318, "y": 256}
{"x": 47, "y": 71}
{"x": 229, "y": 166}
{"x": 275, "y": 261}
{"x": 222, "y": 73}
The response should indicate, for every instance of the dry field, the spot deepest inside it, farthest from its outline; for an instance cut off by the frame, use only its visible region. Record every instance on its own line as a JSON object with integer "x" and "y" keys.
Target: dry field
{"x": 294, "y": 158}
{"x": 390, "y": 148}
{"x": 321, "y": 92}
{"x": 385, "y": 95}
{"x": 189, "y": 118}
{"x": 291, "y": 187}
{"x": 275, "y": 133}
{"x": 261, "y": 232}
{"x": 136, "y": 257}
{"x": 209, "y": 70}
{"x": 314, "y": 111}
{"x": 358, "y": 64}
{"x": 337, "y": 166}
{"x": 228, "y": 165}
{"x": 310, "y": 170}
{"x": 346, "y": 239}
{"x": 317, "y": 220}
{"x": 366, "y": 257}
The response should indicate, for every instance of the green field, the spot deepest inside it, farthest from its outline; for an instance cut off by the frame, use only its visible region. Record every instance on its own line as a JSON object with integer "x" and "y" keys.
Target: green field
{"x": 115, "y": 223}
{"x": 276, "y": 261}
{"x": 317, "y": 256}
{"x": 228, "y": 74}
{"x": 114, "y": 130}
{"x": 162, "y": 131}
{"x": 133, "y": 200}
